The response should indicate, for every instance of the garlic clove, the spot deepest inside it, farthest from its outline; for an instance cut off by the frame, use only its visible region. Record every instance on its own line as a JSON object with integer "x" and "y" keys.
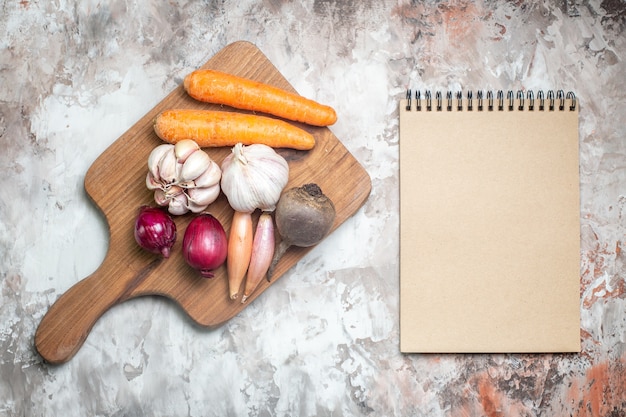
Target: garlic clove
{"x": 160, "y": 198}
{"x": 155, "y": 157}
{"x": 173, "y": 191}
{"x": 209, "y": 177}
{"x": 184, "y": 148}
{"x": 178, "y": 204}
{"x": 196, "y": 208}
{"x": 205, "y": 195}
{"x": 151, "y": 182}
{"x": 167, "y": 167}
{"x": 196, "y": 164}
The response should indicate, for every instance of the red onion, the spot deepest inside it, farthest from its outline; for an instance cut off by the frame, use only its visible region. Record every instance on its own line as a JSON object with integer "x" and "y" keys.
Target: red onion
{"x": 155, "y": 231}
{"x": 205, "y": 245}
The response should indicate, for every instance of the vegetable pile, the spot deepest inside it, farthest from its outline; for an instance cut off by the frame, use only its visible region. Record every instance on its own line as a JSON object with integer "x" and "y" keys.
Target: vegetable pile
{"x": 185, "y": 179}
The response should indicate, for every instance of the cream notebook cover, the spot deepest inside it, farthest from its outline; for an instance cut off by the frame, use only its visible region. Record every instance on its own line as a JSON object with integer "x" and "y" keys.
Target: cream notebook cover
{"x": 489, "y": 224}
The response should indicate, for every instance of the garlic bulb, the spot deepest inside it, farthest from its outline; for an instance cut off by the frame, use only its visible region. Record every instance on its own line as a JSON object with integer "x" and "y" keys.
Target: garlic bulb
{"x": 184, "y": 178}
{"x": 253, "y": 177}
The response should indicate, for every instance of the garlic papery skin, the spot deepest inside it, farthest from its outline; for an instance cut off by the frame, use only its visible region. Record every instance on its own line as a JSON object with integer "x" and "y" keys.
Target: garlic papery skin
{"x": 253, "y": 177}
{"x": 175, "y": 170}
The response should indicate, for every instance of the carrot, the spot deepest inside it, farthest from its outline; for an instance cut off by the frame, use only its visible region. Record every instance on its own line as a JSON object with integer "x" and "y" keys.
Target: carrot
{"x": 221, "y": 128}
{"x": 239, "y": 251}
{"x": 221, "y": 88}
{"x": 262, "y": 254}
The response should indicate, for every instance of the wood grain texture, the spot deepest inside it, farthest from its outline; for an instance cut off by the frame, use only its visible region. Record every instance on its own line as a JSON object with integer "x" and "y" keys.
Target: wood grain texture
{"x": 116, "y": 183}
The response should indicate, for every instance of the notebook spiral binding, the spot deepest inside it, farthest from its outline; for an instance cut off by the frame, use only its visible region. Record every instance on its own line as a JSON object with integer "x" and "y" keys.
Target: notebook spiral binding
{"x": 488, "y": 102}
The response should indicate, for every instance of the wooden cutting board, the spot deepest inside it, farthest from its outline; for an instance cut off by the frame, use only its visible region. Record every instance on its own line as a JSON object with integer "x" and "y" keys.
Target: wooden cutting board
{"x": 116, "y": 183}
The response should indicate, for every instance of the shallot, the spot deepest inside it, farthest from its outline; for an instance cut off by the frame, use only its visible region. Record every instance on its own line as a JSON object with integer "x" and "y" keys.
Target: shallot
{"x": 239, "y": 251}
{"x": 262, "y": 253}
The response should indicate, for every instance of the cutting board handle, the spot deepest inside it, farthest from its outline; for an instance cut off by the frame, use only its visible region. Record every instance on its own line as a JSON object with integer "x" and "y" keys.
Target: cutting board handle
{"x": 67, "y": 323}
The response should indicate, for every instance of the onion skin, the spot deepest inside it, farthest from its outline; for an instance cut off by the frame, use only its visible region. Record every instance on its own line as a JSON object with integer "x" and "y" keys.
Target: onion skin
{"x": 205, "y": 245}
{"x": 155, "y": 231}
{"x": 262, "y": 253}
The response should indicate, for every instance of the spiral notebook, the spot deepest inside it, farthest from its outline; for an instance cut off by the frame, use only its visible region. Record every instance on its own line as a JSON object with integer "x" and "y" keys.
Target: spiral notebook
{"x": 489, "y": 223}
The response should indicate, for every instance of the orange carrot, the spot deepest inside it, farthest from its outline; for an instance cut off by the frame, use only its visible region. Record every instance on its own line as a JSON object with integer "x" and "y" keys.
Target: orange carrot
{"x": 221, "y": 128}
{"x": 239, "y": 251}
{"x": 262, "y": 254}
{"x": 221, "y": 88}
